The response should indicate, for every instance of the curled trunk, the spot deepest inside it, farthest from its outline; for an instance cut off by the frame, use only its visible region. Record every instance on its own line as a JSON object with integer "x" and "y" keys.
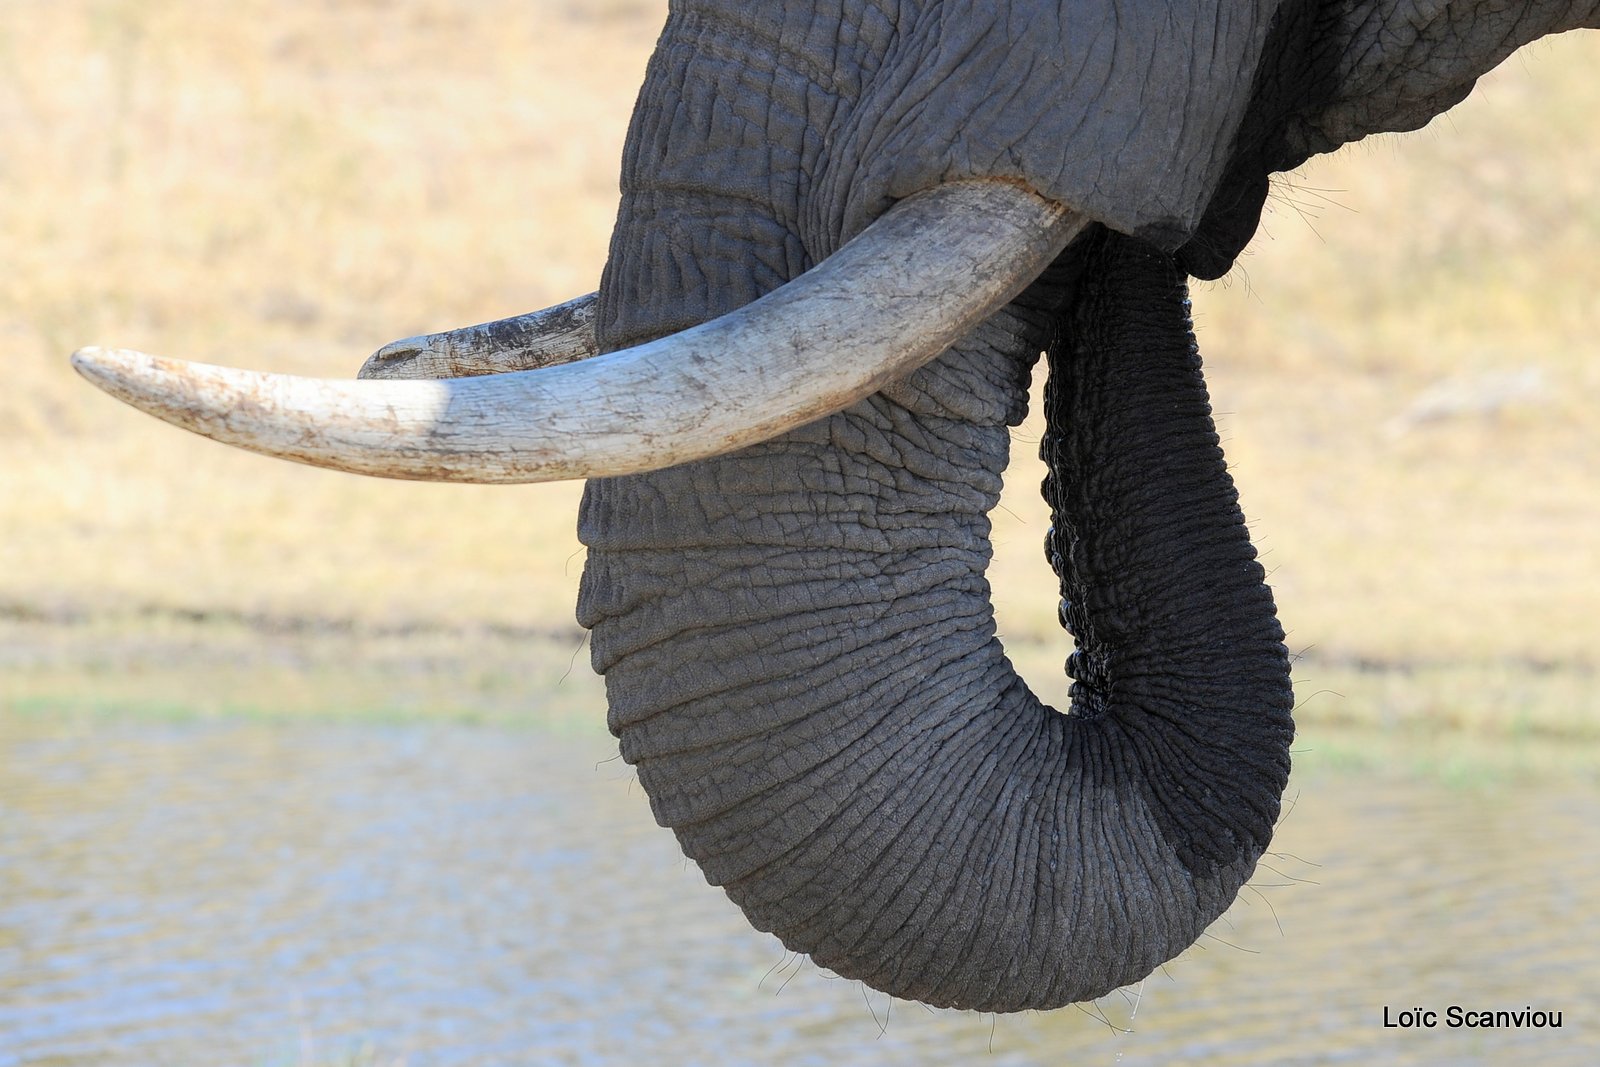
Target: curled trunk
{"x": 800, "y": 656}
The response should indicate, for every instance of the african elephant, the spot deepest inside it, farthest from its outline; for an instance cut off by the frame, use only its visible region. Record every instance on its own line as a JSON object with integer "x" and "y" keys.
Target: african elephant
{"x": 787, "y": 517}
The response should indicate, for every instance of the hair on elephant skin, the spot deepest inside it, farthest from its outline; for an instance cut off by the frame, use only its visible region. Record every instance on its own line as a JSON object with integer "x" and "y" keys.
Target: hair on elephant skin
{"x": 794, "y": 622}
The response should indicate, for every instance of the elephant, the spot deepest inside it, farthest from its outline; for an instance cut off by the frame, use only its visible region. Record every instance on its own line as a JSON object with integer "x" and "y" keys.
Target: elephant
{"x": 848, "y": 230}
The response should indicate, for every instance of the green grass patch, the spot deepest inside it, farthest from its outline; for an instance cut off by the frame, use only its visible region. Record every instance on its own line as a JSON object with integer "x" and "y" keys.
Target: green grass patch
{"x": 111, "y": 669}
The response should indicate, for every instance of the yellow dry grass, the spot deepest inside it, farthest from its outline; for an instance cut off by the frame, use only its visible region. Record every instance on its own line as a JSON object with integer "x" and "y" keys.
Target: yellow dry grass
{"x": 1406, "y": 364}
{"x": 288, "y": 186}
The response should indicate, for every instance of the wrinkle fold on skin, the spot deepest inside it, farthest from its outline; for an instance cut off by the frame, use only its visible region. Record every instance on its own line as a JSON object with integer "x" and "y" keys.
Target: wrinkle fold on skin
{"x": 897, "y": 804}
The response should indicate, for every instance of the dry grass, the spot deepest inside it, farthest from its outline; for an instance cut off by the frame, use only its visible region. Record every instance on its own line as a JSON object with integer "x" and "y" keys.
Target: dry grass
{"x": 1407, "y": 363}
{"x": 288, "y": 186}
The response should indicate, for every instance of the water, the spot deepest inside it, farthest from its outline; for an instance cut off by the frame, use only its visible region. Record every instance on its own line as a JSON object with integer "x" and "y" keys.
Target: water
{"x": 237, "y": 892}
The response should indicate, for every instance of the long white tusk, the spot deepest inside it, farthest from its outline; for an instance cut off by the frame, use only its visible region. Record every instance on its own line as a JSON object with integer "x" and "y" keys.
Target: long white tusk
{"x": 898, "y": 295}
{"x": 548, "y": 338}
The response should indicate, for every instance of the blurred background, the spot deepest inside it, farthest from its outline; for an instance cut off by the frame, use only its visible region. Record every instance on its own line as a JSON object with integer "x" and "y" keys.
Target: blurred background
{"x": 297, "y": 767}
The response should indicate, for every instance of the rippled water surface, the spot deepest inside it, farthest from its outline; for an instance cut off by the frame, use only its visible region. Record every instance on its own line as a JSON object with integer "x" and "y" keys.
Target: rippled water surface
{"x": 235, "y": 892}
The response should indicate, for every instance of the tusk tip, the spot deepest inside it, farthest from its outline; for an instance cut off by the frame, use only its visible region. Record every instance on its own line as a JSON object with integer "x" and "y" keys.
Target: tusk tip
{"x": 154, "y": 385}
{"x": 398, "y": 359}
{"x": 105, "y": 366}
{"x": 86, "y": 358}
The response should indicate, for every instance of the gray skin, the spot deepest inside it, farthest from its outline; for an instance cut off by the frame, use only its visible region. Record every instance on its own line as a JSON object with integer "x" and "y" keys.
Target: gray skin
{"x": 797, "y": 639}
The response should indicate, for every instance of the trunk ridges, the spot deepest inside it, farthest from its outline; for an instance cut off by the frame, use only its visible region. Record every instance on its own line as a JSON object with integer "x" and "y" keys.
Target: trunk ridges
{"x": 845, "y": 748}
{"x": 1138, "y": 486}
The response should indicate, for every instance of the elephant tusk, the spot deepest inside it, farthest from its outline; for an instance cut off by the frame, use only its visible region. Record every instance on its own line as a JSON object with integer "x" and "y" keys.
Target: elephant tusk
{"x": 898, "y": 295}
{"x": 548, "y": 338}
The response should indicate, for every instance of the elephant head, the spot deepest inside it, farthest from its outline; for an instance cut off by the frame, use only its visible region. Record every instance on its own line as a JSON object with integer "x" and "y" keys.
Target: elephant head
{"x": 847, "y": 231}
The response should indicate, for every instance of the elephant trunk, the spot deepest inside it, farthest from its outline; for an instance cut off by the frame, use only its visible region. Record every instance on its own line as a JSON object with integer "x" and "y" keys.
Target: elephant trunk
{"x": 1180, "y": 657}
{"x": 800, "y": 657}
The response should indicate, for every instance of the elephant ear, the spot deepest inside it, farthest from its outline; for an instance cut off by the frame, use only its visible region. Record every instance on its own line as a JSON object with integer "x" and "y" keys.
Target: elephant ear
{"x": 1394, "y": 68}
{"x": 1335, "y": 72}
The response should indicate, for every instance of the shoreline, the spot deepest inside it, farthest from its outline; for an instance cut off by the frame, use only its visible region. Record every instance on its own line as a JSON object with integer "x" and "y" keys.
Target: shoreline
{"x": 1465, "y": 722}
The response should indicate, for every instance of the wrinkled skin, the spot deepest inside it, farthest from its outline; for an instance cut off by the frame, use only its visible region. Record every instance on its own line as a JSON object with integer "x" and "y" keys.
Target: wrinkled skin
{"x": 797, "y": 641}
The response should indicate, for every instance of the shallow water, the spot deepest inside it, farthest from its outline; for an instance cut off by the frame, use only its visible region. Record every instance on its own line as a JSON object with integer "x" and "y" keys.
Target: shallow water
{"x": 236, "y": 892}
